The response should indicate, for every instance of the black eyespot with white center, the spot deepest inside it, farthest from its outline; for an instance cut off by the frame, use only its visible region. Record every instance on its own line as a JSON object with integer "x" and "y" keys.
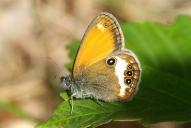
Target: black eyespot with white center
{"x": 128, "y": 81}
{"x": 129, "y": 73}
{"x": 111, "y": 61}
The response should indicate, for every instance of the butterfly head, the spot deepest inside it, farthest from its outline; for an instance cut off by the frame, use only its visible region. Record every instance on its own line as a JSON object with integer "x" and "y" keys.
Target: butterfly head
{"x": 66, "y": 82}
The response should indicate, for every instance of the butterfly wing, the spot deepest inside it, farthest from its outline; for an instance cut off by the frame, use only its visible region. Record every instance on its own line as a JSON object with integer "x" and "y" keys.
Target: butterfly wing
{"x": 102, "y": 38}
{"x": 113, "y": 81}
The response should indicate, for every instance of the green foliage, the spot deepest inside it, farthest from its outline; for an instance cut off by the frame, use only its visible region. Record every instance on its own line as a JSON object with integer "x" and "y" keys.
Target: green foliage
{"x": 165, "y": 90}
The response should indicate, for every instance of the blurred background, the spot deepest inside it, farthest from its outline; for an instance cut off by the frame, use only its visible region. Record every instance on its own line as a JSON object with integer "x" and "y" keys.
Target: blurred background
{"x": 33, "y": 37}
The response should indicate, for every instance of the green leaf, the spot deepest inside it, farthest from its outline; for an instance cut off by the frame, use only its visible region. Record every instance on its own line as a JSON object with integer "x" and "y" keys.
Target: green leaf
{"x": 165, "y": 90}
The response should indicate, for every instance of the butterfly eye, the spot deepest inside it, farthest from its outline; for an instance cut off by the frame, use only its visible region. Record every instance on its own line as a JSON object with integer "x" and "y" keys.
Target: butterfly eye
{"x": 111, "y": 61}
{"x": 62, "y": 78}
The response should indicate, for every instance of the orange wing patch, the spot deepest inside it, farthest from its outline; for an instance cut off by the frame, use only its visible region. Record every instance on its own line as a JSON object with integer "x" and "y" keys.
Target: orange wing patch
{"x": 101, "y": 39}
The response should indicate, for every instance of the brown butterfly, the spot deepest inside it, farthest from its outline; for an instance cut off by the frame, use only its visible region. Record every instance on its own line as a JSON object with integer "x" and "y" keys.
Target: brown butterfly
{"x": 103, "y": 69}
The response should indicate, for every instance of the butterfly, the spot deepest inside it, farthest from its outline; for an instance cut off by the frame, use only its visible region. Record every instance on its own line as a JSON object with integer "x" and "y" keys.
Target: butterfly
{"x": 103, "y": 68}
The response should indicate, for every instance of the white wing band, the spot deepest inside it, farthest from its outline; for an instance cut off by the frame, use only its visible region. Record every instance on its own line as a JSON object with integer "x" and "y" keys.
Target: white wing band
{"x": 120, "y": 68}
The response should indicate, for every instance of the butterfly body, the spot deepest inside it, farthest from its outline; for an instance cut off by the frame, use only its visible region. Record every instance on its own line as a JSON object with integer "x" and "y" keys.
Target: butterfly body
{"x": 103, "y": 68}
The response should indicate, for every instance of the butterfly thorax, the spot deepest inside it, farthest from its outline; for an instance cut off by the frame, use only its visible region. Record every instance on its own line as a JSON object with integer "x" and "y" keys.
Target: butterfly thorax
{"x": 75, "y": 87}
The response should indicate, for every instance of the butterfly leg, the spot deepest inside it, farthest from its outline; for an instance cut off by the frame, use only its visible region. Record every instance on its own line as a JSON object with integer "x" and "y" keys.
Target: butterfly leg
{"x": 88, "y": 95}
{"x": 99, "y": 102}
{"x": 72, "y": 103}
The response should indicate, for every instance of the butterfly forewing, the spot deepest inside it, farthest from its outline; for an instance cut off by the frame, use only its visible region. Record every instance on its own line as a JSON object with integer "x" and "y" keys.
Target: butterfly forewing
{"x": 102, "y": 38}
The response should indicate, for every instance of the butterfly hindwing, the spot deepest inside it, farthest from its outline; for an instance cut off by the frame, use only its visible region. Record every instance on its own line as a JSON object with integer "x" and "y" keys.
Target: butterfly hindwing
{"x": 102, "y": 38}
{"x": 128, "y": 72}
{"x": 115, "y": 77}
